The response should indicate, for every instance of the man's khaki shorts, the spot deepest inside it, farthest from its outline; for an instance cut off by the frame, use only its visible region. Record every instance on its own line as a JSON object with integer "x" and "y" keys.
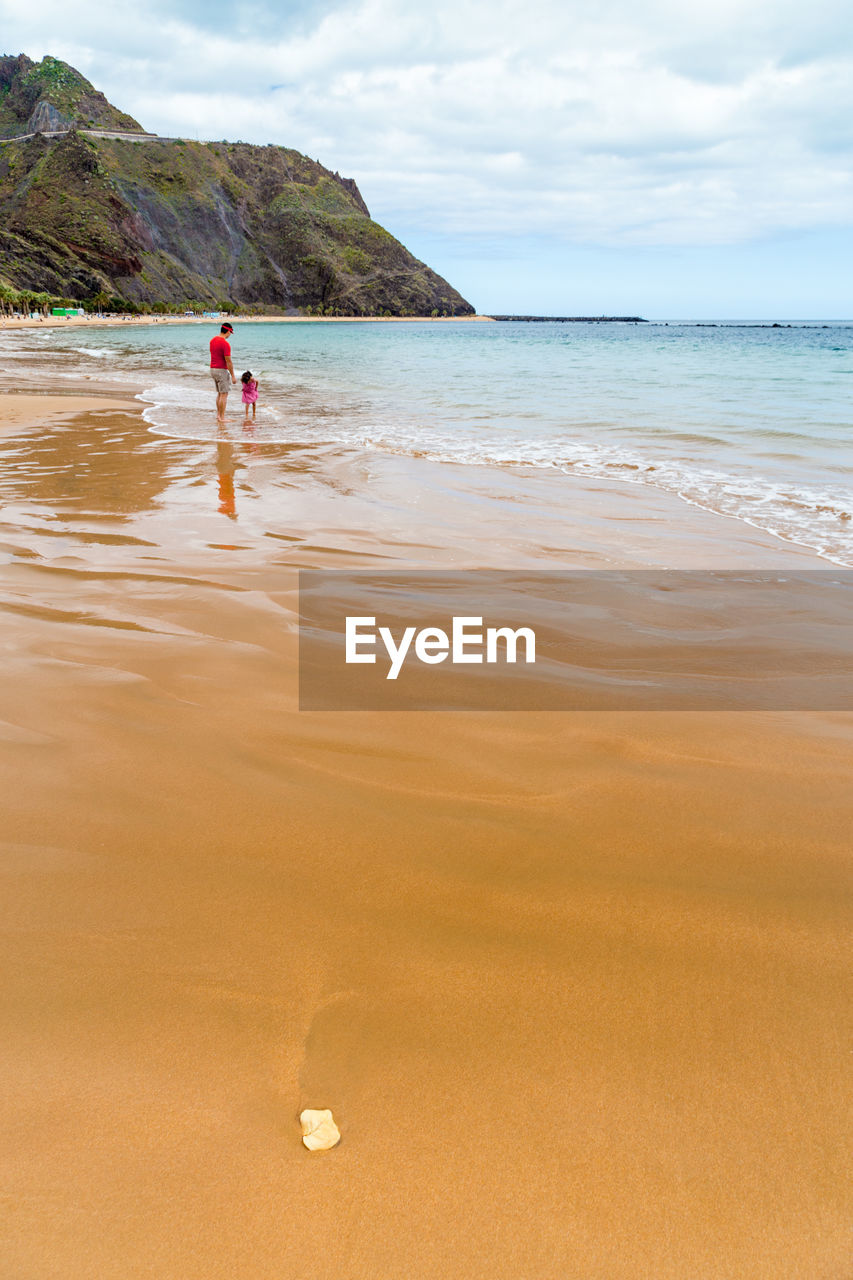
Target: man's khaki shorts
{"x": 222, "y": 378}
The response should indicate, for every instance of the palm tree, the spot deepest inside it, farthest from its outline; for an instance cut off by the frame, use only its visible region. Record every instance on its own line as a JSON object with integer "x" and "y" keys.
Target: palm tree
{"x": 8, "y": 298}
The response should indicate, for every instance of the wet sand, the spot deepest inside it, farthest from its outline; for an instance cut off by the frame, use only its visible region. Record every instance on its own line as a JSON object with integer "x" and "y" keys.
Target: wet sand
{"x": 573, "y": 985}
{"x": 23, "y": 410}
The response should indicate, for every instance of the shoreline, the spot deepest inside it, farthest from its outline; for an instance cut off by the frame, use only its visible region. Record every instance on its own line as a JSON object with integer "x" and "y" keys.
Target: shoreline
{"x": 82, "y": 321}
{"x": 652, "y": 514}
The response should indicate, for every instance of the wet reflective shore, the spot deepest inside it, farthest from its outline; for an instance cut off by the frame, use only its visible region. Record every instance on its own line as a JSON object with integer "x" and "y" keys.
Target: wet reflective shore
{"x": 571, "y": 984}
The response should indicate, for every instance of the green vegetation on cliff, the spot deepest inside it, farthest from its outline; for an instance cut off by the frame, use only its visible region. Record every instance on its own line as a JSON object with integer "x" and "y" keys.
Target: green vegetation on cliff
{"x": 167, "y": 223}
{"x": 56, "y": 95}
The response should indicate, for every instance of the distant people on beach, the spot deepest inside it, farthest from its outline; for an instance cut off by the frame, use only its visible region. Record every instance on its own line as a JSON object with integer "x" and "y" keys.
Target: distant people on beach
{"x": 221, "y": 369}
{"x": 250, "y": 393}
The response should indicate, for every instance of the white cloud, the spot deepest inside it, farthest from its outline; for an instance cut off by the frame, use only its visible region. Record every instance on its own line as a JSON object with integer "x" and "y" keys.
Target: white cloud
{"x": 612, "y": 125}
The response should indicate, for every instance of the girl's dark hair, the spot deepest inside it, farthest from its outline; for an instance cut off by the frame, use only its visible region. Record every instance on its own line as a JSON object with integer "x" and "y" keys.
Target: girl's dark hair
{"x": 247, "y": 376}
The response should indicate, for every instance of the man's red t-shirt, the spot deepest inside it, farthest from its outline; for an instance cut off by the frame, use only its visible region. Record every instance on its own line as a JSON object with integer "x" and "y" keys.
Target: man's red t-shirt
{"x": 219, "y": 349}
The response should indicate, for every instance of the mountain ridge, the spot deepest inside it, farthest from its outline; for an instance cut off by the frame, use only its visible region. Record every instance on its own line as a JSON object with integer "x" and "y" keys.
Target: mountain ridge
{"x": 145, "y": 223}
{"x": 46, "y": 95}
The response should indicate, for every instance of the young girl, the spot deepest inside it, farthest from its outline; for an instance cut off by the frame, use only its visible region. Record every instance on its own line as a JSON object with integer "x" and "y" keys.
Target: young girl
{"x": 250, "y": 393}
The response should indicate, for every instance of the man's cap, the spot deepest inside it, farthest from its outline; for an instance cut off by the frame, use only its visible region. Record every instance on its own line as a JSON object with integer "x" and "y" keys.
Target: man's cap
{"x": 227, "y": 328}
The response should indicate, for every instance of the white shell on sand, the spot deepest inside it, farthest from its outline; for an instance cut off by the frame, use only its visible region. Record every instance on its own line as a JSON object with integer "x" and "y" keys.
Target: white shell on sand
{"x": 319, "y": 1131}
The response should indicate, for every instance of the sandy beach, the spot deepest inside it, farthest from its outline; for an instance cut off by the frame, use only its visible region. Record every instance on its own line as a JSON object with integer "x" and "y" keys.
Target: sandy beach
{"x": 21, "y": 410}
{"x": 573, "y": 985}
{"x": 113, "y": 321}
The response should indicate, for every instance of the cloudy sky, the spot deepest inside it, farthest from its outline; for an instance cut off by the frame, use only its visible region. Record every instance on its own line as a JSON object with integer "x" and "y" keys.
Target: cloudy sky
{"x": 547, "y": 156}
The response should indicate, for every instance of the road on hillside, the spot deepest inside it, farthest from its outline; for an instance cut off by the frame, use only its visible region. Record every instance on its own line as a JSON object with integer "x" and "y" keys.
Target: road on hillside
{"x": 96, "y": 133}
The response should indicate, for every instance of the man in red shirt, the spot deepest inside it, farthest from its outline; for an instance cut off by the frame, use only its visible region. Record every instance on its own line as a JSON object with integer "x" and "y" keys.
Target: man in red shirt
{"x": 221, "y": 368}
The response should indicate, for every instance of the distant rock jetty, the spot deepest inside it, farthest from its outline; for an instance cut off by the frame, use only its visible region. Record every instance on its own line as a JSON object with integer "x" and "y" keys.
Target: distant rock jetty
{"x": 575, "y": 319}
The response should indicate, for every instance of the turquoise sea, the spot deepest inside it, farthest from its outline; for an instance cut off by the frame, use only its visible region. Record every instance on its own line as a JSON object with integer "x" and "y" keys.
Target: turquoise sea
{"x": 752, "y": 421}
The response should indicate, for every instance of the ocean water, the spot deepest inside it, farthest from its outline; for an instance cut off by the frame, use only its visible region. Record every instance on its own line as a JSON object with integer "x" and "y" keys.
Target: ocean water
{"x": 751, "y": 421}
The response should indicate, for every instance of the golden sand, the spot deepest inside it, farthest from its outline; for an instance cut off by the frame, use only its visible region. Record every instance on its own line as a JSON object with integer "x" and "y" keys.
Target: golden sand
{"x": 572, "y": 985}
{"x": 25, "y": 410}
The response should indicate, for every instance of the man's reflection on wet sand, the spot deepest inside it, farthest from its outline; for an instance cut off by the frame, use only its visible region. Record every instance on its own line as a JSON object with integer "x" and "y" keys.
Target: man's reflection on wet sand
{"x": 225, "y": 466}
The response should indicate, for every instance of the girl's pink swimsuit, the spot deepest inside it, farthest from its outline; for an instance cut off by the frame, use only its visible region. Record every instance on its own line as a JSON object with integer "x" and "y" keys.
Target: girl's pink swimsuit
{"x": 250, "y": 392}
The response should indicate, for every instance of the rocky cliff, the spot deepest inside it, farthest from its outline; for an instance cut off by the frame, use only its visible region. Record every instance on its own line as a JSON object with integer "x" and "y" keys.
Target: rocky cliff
{"x": 50, "y": 95}
{"x": 168, "y": 222}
